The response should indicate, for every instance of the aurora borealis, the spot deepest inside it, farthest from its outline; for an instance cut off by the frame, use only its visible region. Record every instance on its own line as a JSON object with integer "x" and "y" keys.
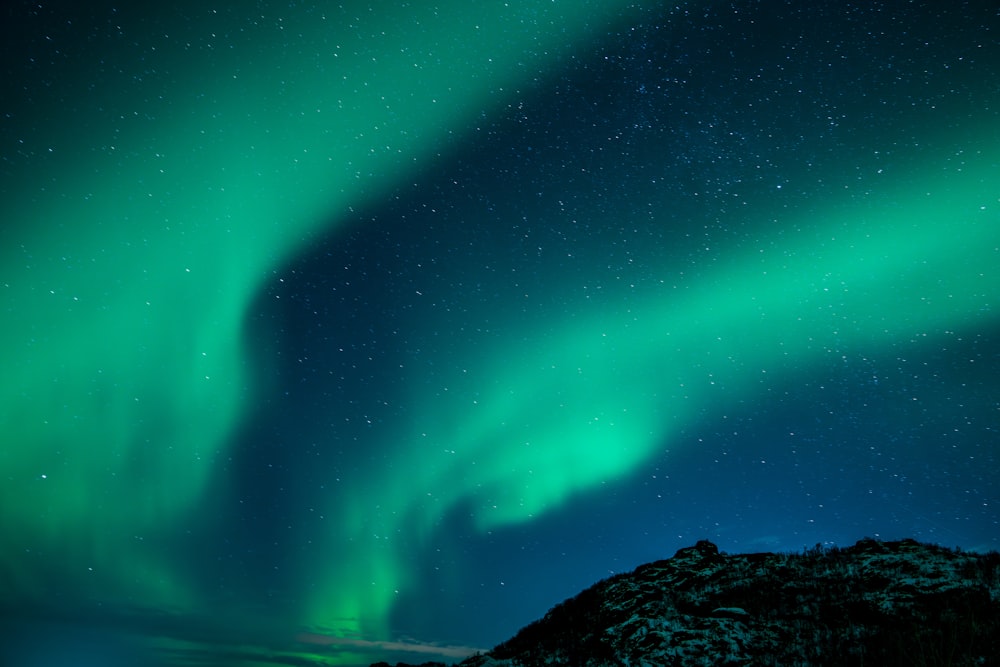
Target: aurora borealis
{"x": 334, "y": 333}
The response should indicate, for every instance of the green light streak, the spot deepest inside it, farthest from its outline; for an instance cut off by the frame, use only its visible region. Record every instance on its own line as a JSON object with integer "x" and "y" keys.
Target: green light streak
{"x": 129, "y": 254}
{"x": 524, "y": 427}
{"x": 595, "y": 400}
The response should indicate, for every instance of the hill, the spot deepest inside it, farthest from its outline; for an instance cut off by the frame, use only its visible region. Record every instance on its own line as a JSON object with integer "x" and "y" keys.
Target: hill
{"x": 875, "y": 603}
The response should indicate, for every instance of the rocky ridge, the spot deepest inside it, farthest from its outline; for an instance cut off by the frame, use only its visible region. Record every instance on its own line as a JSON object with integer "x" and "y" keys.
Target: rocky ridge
{"x": 875, "y": 603}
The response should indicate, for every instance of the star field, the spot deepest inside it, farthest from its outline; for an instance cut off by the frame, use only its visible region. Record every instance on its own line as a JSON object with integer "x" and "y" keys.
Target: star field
{"x": 339, "y": 333}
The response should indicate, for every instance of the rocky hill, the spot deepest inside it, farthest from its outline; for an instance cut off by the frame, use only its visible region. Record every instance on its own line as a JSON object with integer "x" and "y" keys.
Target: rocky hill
{"x": 875, "y": 603}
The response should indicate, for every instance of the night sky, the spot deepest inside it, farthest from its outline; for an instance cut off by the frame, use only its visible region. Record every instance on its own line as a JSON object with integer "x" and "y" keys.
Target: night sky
{"x": 340, "y": 332}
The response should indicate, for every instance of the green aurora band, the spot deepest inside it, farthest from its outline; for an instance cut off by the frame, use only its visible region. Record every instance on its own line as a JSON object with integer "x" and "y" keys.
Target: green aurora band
{"x": 555, "y": 412}
{"x": 158, "y": 200}
{"x": 137, "y": 248}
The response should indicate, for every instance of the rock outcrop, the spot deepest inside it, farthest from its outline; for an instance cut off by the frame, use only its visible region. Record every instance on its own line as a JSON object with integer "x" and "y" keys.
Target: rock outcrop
{"x": 875, "y": 603}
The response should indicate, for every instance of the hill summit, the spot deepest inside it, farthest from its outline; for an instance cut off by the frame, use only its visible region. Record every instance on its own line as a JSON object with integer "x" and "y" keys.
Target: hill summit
{"x": 874, "y": 603}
